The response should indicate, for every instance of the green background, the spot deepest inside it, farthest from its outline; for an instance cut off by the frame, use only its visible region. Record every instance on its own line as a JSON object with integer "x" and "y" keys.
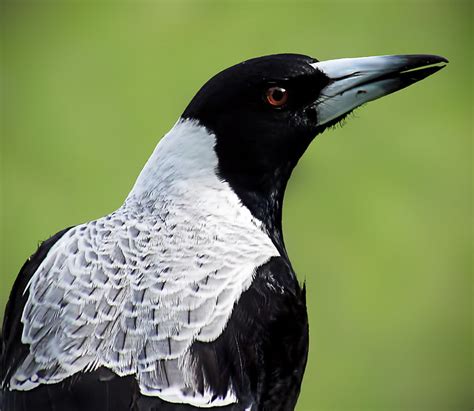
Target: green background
{"x": 378, "y": 214}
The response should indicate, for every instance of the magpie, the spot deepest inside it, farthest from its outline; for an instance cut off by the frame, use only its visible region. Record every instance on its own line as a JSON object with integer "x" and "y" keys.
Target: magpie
{"x": 184, "y": 298}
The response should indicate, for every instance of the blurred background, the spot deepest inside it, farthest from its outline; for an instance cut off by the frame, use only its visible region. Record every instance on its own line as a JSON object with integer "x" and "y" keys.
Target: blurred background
{"x": 378, "y": 216}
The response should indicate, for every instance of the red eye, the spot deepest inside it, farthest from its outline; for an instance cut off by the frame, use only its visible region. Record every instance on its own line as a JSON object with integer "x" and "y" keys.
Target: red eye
{"x": 276, "y": 96}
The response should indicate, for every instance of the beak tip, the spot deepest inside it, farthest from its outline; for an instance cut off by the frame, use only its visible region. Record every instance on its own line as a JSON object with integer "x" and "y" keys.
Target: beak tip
{"x": 438, "y": 59}
{"x": 413, "y": 61}
{"x": 443, "y": 59}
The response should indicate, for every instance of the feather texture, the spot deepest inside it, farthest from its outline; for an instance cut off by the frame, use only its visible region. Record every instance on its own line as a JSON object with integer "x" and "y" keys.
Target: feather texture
{"x": 133, "y": 290}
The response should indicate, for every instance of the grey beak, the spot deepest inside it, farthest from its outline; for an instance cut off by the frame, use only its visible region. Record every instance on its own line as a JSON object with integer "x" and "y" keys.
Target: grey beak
{"x": 355, "y": 81}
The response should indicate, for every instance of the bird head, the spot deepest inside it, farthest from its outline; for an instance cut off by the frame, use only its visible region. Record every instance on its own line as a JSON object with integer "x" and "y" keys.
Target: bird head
{"x": 264, "y": 113}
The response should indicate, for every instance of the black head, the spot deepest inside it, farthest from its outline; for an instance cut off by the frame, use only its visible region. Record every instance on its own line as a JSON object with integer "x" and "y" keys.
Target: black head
{"x": 265, "y": 112}
{"x": 262, "y": 113}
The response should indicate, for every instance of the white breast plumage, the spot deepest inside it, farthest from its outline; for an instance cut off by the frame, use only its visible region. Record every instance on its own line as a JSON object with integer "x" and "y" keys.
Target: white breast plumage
{"x": 133, "y": 290}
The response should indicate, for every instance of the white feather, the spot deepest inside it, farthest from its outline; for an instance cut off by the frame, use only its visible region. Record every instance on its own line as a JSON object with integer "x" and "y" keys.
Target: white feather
{"x": 133, "y": 290}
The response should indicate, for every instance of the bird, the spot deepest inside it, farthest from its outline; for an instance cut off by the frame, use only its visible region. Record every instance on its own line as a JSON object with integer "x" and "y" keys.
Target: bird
{"x": 185, "y": 298}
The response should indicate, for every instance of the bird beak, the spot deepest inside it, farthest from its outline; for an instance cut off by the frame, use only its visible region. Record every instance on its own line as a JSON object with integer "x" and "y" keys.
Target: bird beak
{"x": 355, "y": 81}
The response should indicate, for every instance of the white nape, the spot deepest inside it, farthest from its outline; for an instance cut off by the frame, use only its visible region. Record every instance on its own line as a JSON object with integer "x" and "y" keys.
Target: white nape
{"x": 133, "y": 290}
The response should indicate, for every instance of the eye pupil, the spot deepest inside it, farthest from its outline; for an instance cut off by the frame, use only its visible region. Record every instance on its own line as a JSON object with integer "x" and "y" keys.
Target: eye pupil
{"x": 277, "y": 96}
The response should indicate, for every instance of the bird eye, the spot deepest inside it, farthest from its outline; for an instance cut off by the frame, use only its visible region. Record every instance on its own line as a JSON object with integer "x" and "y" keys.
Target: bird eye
{"x": 276, "y": 96}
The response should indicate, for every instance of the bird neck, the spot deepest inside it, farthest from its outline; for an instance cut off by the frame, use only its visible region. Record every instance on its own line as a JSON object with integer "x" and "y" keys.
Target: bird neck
{"x": 264, "y": 196}
{"x": 184, "y": 171}
{"x": 182, "y": 166}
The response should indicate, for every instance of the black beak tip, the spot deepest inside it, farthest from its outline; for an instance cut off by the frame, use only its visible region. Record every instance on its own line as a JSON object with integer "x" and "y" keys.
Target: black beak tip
{"x": 434, "y": 59}
{"x": 417, "y": 61}
{"x": 421, "y": 66}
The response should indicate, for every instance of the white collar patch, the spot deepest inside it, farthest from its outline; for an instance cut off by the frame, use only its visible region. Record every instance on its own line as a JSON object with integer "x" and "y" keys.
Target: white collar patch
{"x": 133, "y": 290}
